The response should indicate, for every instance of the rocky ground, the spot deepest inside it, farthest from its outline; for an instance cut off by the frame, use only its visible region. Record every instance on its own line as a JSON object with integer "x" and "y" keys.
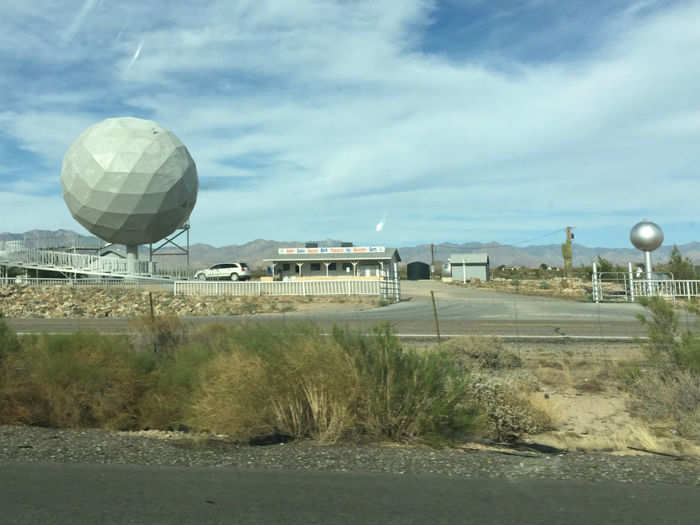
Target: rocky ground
{"x": 19, "y": 301}
{"x": 32, "y": 444}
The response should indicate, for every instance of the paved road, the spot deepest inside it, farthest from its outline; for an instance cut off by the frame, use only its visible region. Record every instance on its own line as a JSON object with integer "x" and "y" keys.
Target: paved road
{"x": 461, "y": 311}
{"x": 56, "y": 494}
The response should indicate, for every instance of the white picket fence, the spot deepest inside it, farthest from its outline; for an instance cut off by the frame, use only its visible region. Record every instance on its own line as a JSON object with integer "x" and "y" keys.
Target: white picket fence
{"x": 387, "y": 289}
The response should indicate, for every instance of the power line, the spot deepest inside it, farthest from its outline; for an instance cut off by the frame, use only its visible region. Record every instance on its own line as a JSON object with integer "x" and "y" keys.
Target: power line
{"x": 538, "y": 238}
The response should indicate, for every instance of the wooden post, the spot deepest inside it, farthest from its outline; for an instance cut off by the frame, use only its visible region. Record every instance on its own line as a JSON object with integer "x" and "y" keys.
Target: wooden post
{"x": 437, "y": 323}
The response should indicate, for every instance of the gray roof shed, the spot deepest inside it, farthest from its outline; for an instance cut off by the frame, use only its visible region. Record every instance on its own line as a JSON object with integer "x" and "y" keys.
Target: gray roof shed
{"x": 469, "y": 258}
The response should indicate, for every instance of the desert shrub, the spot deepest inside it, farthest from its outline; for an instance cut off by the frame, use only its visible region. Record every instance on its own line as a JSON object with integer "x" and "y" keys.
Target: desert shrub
{"x": 406, "y": 395}
{"x": 672, "y": 399}
{"x": 669, "y": 388}
{"x": 78, "y": 380}
{"x": 8, "y": 338}
{"x": 157, "y": 334}
{"x": 508, "y": 413}
{"x": 172, "y": 383}
{"x": 666, "y": 346}
{"x": 291, "y": 382}
{"x": 472, "y": 352}
{"x": 544, "y": 285}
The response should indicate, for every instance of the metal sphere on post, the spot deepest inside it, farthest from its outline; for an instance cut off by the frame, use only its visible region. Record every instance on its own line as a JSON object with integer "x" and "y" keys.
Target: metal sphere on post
{"x": 129, "y": 181}
{"x": 647, "y": 236}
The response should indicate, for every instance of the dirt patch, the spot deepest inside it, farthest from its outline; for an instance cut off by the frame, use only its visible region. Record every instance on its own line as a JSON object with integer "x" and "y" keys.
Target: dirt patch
{"x": 579, "y": 385}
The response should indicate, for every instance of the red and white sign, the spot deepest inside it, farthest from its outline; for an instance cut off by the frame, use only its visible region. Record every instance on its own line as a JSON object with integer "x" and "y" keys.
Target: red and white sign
{"x": 332, "y": 249}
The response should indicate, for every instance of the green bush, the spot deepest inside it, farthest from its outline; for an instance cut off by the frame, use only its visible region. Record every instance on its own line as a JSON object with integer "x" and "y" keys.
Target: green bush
{"x": 406, "y": 395}
{"x": 166, "y": 404}
{"x": 669, "y": 390}
{"x": 666, "y": 345}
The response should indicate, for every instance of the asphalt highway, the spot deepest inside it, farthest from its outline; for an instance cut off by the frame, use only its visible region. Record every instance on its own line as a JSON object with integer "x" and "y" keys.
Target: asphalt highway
{"x": 461, "y": 310}
{"x": 57, "y": 494}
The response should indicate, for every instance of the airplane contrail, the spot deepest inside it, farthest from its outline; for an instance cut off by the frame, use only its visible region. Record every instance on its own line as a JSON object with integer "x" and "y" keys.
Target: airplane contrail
{"x": 134, "y": 58}
{"x": 88, "y": 6}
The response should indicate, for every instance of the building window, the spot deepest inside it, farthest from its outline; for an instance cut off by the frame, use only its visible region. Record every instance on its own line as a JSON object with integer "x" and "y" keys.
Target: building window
{"x": 347, "y": 267}
{"x": 331, "y": 267}
{"x": 285, "y": 267}
{"x": 315, "y": 267}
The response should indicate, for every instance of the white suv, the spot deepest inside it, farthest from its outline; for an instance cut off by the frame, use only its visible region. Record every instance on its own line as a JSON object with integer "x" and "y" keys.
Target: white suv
{"x": 228, "y": 271}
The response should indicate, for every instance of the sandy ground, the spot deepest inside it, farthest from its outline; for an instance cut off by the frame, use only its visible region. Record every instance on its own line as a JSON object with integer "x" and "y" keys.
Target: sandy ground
{"x": 579, "y": 387}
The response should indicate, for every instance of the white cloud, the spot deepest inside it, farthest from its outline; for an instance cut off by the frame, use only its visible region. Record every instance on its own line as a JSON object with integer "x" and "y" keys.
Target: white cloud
{"x": 343, "y": 115}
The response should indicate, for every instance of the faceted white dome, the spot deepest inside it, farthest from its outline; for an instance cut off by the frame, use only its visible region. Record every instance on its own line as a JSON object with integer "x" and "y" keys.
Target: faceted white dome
{"x": 129, "y": 181}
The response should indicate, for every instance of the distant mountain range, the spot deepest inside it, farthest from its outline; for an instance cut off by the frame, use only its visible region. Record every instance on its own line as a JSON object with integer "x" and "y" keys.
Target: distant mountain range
{"x": 254, "y": 252}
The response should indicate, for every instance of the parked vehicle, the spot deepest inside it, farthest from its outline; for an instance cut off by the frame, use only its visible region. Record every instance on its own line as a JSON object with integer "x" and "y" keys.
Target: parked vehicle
{"x": 225, "y": 271}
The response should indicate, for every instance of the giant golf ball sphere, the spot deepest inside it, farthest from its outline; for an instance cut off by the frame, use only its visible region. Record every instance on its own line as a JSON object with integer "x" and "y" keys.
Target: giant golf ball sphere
{"x": 129, "y": 181}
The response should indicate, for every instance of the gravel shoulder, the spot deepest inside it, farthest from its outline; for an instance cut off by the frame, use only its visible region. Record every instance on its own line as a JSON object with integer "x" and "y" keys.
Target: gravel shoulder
{"x": 46, "y": 445}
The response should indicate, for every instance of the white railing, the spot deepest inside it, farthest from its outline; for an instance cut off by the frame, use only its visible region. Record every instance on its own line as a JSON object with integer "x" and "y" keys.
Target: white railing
{"x": 79, "y": 262}
{"x": 79, "y": 283}
{"x": 303, "y": 288}
{"x": 74, "y": 261}
{"x": 666, "y": 288}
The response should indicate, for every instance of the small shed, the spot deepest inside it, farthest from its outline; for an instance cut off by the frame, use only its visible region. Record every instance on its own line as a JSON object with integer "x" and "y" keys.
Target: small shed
{"x": 467, "y": 266}
{"x": 417, "y": 270}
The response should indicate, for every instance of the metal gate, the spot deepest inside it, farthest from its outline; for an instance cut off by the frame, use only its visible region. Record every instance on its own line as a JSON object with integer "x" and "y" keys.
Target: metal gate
{"x": 612, "y": 287}
{"x": 623, "y": 287}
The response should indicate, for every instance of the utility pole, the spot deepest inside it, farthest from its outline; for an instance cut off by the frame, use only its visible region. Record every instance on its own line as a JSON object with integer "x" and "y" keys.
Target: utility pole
{"x": 566, "y": 250}
{"x": 569, "y": 234}
{"x": 432, "y": 260}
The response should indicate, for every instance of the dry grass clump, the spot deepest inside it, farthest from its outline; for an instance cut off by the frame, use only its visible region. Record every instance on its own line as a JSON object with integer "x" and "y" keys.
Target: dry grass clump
{"x": 300, "y": 384}
{"x": 308, "y": 392}
{"x": 475, "y": 352}
{"x": 73, "y": 381}
{"x": 630, "y": 439}
{"x": 157, "y": 333}
{"x": 671, "y": 399}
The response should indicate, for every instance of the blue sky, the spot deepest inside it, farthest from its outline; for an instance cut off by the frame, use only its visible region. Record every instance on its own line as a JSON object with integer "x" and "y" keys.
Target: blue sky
{"x": 458, "y": 121}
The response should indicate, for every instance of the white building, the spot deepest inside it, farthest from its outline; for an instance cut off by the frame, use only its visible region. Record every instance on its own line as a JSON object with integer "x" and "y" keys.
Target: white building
{"x": 335, "y": 262}
{"x": 467, "y": 266}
